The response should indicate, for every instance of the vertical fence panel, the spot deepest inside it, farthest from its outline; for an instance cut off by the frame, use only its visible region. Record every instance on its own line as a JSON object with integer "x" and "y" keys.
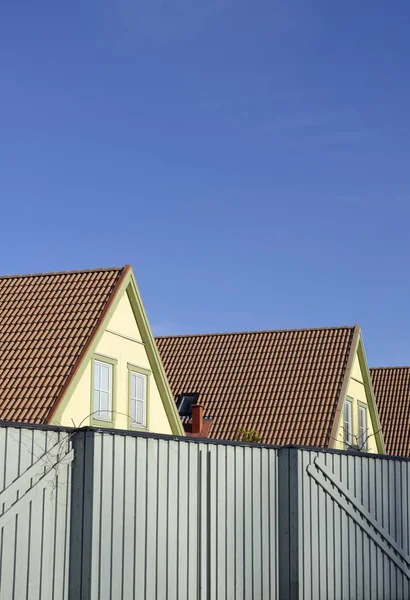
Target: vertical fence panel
{"x": 95, "y": 561}
{"x": 35, "y": 498}
{"x": 222, "y": 520}
{"x": 12, "y": 448}
{"x": 23, "y": 523}
{"x": 268, "y": 540}
{"x": 173, "y": 516}
{"x": 141, "y": 531}
{"x": 117, "y": 517}
{"x": 239, "y": 484}
{"x": 159, "y": 569}
{"x": 176, "y": 496}
{"x": 63, "y": 519}
{"x": 48, "y": 521}
{"x": 129, "y": 518}
{"x": 191, "y": 475}
{"x": 256, "y": 525}
{"x": 230, "y": 518}
{"x": 272, "y": 558}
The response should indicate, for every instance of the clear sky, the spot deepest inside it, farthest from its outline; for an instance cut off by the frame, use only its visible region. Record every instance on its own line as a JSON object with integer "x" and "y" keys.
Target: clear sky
{"x": 250, "y": 159}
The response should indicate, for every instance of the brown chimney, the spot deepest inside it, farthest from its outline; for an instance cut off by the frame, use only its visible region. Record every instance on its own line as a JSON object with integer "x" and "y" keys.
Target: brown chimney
{"x": 197, "y": 419}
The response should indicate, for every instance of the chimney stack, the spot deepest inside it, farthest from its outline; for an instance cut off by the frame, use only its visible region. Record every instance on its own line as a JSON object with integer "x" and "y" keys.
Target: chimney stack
{"x": 197, "y": 419}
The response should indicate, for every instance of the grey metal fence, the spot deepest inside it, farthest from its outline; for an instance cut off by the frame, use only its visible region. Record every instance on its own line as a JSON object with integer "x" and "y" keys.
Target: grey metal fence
{"x": 34, "y": 513}
{"x": 177, "y": 520}
{"x": 94, "y": 514}
{"x": 354, "y": 526}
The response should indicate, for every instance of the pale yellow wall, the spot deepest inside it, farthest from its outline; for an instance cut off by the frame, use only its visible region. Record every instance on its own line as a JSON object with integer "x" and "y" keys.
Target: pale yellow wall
{"x": 356, "y": 391}
{"x": 356, "y": 370}
{"x": 121, "y": 341}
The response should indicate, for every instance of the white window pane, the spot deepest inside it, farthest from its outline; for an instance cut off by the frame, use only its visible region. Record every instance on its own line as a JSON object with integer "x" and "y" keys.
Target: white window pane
{"x": 97, "y": 376}
{"x": 133, "y": 411}
{"x": 348, "y": 425}
{"x": 141, "y": 387}
{"x": 138, "y": 391}
{"x": 104, "y": 407}
{"x": 363, "y": 433}
{"x": 105, "y": 378}
{"x": 102, "y": 390}
{"x": 105, "y": 400}
{"x": 133, "y": 385}
{"x": 96, "y": 401}
{"x": 137, "y": 412}
{"x": 140, "y": 413}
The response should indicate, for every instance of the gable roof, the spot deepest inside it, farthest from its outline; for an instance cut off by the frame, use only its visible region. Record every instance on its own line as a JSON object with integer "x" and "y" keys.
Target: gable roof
{"x": 46, "y": 321}
{"x": 285, "y": 384}
{"x": 49, "y": 326}
{"x": 392, "y": 390}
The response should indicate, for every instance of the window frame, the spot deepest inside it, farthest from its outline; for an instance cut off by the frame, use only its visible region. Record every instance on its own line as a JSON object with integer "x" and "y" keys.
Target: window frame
{"x": 146, "y": 373}
{"x": 361, "y": 406}
{"x": 112, "y": 362}
{"x": 348, "y": 437}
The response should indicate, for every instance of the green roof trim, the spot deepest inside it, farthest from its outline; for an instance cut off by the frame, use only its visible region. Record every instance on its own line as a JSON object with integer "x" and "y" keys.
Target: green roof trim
{"x": 153, "y": 354}
{"x": 357, "y": 346}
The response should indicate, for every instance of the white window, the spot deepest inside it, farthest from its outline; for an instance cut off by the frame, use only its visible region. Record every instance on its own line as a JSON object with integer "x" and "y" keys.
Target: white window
{"x": 363, "y": 427}
{"x": 138, "y": 399}
{"x": 102, "y": 391}
{"x": 348, "y": 422}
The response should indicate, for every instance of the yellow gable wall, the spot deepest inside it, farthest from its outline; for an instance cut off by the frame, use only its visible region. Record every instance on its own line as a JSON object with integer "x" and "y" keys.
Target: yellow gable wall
{"x": 357, "y": 393}
{"x": 356, "y": 371}
{"x": 122, "y": 342}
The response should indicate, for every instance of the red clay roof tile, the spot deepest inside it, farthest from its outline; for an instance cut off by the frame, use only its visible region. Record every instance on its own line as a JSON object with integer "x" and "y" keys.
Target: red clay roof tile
{"x": 392, "y": 392}
{"x": 285, "y": 384}
{"x": 46, "y": 320}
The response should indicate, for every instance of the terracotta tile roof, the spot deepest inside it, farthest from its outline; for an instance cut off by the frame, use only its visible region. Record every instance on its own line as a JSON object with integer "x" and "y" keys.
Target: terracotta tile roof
{"x": 284, "y": 384}
{"x": 392, "y": 391}
{"x": 46, "y": 321}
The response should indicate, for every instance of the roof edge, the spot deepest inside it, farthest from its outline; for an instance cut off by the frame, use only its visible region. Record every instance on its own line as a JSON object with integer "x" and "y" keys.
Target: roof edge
{"x": 154, "y": 357}
{"x": 74, "y": 272}
{"x": 404, "y": 367}
{"x": 371, "y": 401}
{"x": 251, "y": 332}
{"x": 339, "y": 406}
{"x": 125, "y": 271}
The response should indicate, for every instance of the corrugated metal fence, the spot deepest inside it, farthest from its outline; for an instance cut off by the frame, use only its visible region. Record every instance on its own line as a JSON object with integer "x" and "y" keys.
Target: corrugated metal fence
{"x": 104, "y": 515}
{"x": 354, "y": 527}
{"x": 176, "y": 520}
{"x": 35, "y": 491}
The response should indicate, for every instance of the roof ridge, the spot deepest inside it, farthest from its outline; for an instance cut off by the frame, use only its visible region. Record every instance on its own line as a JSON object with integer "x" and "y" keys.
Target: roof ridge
{"x": 391, "y": 368}
{"x": 73, "y": 272}
{"x": 220, "y": 333}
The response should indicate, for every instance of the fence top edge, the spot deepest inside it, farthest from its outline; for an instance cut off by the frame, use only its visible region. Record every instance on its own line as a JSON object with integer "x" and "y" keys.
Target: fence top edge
{"x": 195, "y": 440}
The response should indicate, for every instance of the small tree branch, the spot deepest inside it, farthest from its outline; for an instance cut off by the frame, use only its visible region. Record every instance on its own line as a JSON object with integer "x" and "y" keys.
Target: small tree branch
{"x": 361, "y": 441}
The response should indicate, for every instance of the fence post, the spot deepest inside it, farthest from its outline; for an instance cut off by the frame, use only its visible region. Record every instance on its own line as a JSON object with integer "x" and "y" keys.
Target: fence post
{"x": 80, "y": 532}
{"x": 288, "y": 513}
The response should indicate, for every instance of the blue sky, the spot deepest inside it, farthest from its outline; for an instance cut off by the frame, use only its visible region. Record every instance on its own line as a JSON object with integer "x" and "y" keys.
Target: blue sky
{"x": 251, "y": 160}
